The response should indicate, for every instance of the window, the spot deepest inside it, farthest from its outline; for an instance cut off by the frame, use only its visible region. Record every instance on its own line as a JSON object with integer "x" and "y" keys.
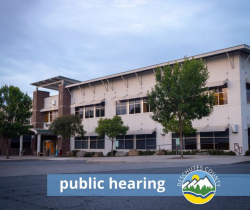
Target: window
{"x": 26, "y": 141}
{"x": 81, "y": 143}
{"x": 100, "y": 110}
{"x": 53, "y": 115}
{"x": 189, "y": 141}
{"x": 46, "y": 116}
{"x": 15, "y": 143}
{"x": 134, "y": 106}
{"x": 220, "y": 94}
{"x": 96, "y": 143}
{"x": 215, "y": 140}
{"x": 79, "y": 112}
{"x": 121, "y": 107}
{"x": 248, "y": 92}
{"x": 89, "y": 111}
{"x": 125, "y": 142}
{"x": 146, "y": 141}
{"x": 50, "y": 116}
{"x": 146, "y": 107}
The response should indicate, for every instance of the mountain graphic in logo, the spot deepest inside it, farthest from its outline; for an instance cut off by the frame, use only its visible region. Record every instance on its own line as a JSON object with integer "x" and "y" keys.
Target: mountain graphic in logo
{"x": 198, "y": 187}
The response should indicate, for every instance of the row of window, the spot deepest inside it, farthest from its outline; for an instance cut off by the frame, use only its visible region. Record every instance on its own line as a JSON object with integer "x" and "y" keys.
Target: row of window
{"x": 145, "y": 141}
{"x": 97, "y": 110}
{"x": 140, "y": 105}
{"x": 132, "y": 106}
{"x": 95, "y": 143}
{"x": 15, "y": 142}
{"x": 208, "y": 140}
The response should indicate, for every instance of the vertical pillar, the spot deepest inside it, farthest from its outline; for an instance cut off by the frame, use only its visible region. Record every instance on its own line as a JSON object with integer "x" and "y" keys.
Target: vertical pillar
{"x": 21, "y": 145}
{"x": 38, "y": 143}
{"x": 198, "y": 141}
{"x": 38, "y": 104}
{"x": 64, "y": 101}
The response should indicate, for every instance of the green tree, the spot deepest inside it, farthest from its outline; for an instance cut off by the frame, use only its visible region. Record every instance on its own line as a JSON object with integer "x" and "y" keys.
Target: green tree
{"x": 180, "y": 96}
{"x": 67, "y": 126}
{"x": 111, "y": 128}
{"x": 15, "y": 112}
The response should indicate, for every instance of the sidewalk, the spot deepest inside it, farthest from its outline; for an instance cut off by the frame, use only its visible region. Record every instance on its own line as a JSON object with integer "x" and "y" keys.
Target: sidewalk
{"x": 194, "y": 159}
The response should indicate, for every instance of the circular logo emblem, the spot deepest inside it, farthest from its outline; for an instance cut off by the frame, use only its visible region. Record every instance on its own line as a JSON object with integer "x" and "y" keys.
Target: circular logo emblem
{"x": 198, "y": 187}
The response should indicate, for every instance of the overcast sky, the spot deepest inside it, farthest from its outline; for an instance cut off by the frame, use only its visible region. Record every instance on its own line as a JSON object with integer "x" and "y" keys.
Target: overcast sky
{"x": 86, "y": 39}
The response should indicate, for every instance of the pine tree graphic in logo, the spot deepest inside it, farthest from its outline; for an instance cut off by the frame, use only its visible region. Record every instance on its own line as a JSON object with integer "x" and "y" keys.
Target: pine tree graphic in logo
{"x": 199, "y": 187}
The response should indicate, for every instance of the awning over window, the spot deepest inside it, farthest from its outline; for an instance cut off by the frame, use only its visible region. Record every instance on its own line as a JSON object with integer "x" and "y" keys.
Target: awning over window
{"x": 141, "y": 131}
{"x": 40, "y": 131}
{"x": 88, "y": 103}
{"x": 215, "y": 84}
{"x": 91, "y": 134}
{"x": 49, "y": 109}
{"x": 140, "y": 95}
{"x": 211, "y": 128}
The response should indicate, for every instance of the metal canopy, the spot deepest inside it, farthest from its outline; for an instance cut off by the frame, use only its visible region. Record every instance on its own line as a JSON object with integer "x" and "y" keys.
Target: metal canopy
{"x": 219, "y": 83}
{"x": 141, "y": 131}
{"x": 212, "y": 128}
{"x": 49, "y": 109}
{"x": 88, "y": 103}
{"x": 91, "y": 134}
{"x": 140, "y": 95}
{"x": 52, "y": 83}
{"x": 40, "y": 131}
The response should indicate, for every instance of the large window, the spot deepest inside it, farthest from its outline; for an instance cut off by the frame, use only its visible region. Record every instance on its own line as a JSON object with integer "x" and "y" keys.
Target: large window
{"x": 81, "y": 143}
{"x": 248, "y": 92}
{"x": 146, "y": 141}
{"x": 15, "y": 143}
{"x": 79, "y": 112}
{"x": 96, "y": 143}
{"x": 215, "y": 140}
{"x": 125, "y": 142}
{"x": 50, "y": 116}
{"x": 100, "y": 110}
{"x": 26, "y": 141}
{"x": 146, "y": 107}
{"x": 46, "y": 117}
{"x": 121, "y": 107}
{"x": 189, "y": 141}
{"x": 220, "y": 94}
{"x": 134, "y": 106}
{"x": 89, "y": 111}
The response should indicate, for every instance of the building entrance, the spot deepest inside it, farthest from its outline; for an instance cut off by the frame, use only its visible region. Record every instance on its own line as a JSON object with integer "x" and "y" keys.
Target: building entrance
{"x": 49, "y": 147}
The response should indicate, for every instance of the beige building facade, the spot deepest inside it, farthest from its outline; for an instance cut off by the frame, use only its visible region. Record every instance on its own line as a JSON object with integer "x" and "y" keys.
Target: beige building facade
{"x": 124, "y": 94}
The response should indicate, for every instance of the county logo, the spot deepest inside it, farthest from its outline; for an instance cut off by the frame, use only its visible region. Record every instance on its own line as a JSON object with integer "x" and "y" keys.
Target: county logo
{"x": 199, "y": 187}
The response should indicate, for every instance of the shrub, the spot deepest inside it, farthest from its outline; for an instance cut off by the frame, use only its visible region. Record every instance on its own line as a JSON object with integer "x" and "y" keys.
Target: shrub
{"x": 109, "y": 153}
{"x": 172, "y": 152}
{"x": 230, "y": 153}
{"x": 247, "y": 153}
{"x": 148, "y": 152}
{"x": 74, "y": 152}
{"x": 219, "y": 152}
{"x": 89, "y": 154}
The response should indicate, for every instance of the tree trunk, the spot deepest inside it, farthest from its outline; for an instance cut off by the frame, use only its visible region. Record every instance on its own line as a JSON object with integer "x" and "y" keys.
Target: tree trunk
{"x": 7, "y": 148}
{"x": 112, "y": 148}
{"x": 181, "y": 145}
{"x": 180, "y": 129}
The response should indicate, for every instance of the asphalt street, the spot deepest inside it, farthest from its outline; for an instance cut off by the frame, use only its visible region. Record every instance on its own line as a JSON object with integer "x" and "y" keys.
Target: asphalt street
{"x": 30, "y": 191}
